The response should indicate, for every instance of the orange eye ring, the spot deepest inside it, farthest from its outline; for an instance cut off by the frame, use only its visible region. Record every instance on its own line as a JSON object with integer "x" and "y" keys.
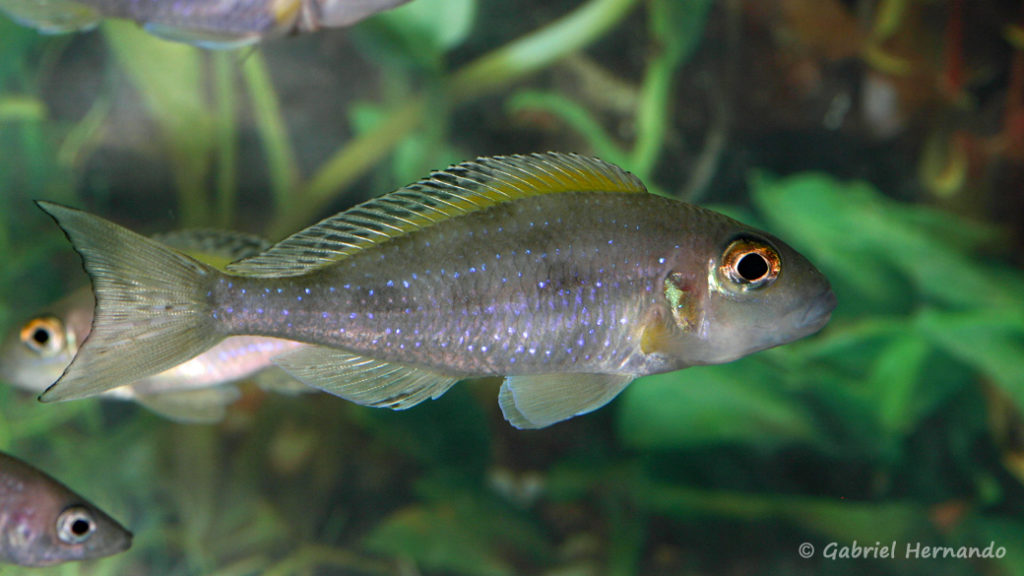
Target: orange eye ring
{"x": 750, "y": 264}
{"x": 43, "y": 334}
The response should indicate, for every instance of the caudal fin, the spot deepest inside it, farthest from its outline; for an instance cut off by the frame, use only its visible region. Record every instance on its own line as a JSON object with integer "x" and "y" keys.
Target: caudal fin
{"x": 152, "y": 306}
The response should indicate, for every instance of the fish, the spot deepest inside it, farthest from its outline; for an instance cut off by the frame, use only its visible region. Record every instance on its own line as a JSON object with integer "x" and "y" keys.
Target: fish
{"x": 214, "y": 24}
{"x": 558, "y": 272}
{"x": 36, "y": 352}
{"x": 42, "y": 522}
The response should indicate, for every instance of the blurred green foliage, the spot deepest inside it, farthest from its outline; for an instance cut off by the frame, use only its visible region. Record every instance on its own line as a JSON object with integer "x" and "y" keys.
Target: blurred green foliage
{"x": 878, "y": 429}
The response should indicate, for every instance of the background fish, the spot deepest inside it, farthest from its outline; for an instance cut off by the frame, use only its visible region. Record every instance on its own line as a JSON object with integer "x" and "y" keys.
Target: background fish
{"x": 206, "y": 23}
{"x": 36, "y": 352}
{"x": 557, "y": 271}
{"x": 42, "y": 522}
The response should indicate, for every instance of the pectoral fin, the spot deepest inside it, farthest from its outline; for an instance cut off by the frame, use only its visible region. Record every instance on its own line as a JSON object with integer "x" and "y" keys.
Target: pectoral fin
{"x": 537, "y": 401}
{"x": 364, "y": 380}
{"x": 202, "y": 406}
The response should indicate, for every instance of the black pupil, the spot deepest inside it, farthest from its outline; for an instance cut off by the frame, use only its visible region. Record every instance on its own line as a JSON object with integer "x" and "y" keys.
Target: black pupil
{"x": 80, "y": 527}
{"x": 752, "y": 267}
{"x": 41, "y": 336}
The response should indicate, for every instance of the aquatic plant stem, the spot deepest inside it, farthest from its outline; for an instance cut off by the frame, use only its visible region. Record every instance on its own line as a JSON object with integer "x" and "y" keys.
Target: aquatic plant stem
{"x": 175, "y": 96}
{"x": 576, "y": 116}
{"x": 538, "y": 50}
{"x": 484, "y": 75}
{"x": 227, "y": 146}
{"x": 347, "y": 165}
{"x": 677, "y": 30}
{"x": 281, "y": 164}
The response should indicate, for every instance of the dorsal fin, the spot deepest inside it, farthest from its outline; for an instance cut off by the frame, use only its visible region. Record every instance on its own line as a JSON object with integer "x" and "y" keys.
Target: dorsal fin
{"x": 467, "y": 187}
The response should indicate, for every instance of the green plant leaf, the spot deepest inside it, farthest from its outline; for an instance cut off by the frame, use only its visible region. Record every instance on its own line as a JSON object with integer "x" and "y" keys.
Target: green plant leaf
{"x": 741, "y": 402}
{"x": 418, "y": 33}
{"x": 990, "y": 341}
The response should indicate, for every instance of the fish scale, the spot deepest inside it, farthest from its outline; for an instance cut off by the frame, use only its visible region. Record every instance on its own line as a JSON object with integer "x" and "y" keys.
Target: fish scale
{"x": 492, "y": 287}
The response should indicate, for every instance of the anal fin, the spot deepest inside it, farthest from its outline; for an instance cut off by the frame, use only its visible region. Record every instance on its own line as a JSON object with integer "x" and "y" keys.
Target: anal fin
{"x": 540, "y": 400}
{"x": 362, "y": 380}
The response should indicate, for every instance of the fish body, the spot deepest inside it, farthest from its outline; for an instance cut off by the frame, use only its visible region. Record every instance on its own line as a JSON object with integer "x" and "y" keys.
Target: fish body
{"x": 36, "y": 352}
{"x": 42, "y": 522}
{"x": 559, "y": 272}
{"x": 206, "y": 23}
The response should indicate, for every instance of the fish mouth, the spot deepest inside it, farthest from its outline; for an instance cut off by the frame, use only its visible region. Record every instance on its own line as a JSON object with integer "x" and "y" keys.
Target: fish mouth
{"x": 818, "y": 311}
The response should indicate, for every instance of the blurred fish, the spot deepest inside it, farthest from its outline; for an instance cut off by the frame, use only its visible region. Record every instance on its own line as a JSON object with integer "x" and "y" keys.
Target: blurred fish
{"x": 559, "y": 272}
{"x": 205, "y": 23}
{"x": 35, "y": 353}
{"x": 42, "y": 522}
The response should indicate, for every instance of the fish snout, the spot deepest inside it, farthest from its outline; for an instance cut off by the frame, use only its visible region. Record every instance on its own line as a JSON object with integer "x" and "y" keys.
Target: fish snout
{"x": 819, "y": 311}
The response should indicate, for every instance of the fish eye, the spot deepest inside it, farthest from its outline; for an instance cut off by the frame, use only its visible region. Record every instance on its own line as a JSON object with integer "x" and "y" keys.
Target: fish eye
{"x": 43, "y": 334}
{"x": 750, "y": 263}
{"x": 75, "y": 525}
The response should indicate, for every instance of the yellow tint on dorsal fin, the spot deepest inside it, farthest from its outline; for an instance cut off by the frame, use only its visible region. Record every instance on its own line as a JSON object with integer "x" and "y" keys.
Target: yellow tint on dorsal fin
{"x": 218, "y": 248}
{"x": 461, "y": 189}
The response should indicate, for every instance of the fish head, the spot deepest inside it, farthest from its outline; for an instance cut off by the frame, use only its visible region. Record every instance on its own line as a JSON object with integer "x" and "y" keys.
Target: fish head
{"x": 56, "y": 527}
{"x": 751, "y": 292}
{"x": 34, "y": 353}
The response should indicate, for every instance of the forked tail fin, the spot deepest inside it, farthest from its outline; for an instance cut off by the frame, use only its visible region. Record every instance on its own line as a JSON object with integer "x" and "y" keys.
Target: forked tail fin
{"x": 153, "y": 307}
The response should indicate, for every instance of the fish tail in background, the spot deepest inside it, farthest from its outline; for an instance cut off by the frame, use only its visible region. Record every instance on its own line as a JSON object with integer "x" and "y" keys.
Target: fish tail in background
{"x": 152, "y": 306}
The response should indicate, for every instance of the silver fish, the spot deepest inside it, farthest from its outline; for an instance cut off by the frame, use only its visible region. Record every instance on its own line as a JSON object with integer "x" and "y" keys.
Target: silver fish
{"x": 36, "y": 352}
{"x": 559, "y": 272}
{"x": 206, "y": 23}
{"x": 42, "y": 522}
